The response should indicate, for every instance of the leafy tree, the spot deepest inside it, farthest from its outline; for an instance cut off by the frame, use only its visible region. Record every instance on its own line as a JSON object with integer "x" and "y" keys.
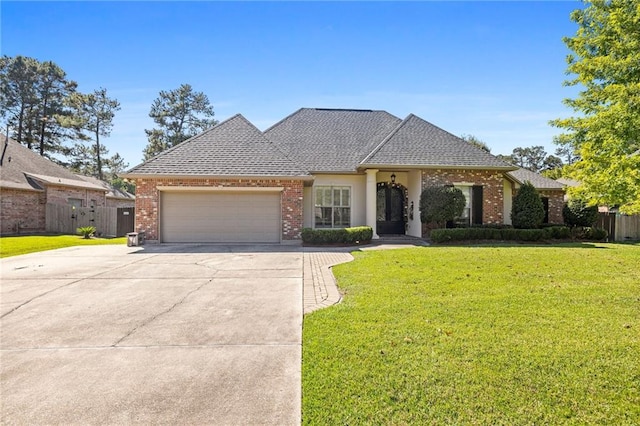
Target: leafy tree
{"x": 604, "y": 131}
{"x": 506, "y": 158}
{"x": 32, "y": 97}
{"x": 551, "y": 162}
{"x": 92, "y": 117}
{"x": 115, "y": 167}
{"x": 531, "y": 158}
{"x": 440, "y": 204}
{"x": 527, "y": 211}
{"x": 578, "y": 213}
{"x": 18, "y": 96}
{"x": 179, "y": 115}
{"x": 476, "y": 142}
{"x": 567, "y": 154}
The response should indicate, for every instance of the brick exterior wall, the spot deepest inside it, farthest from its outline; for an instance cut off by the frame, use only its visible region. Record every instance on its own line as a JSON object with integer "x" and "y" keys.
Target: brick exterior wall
{"x": 21, "y": 211}
{"x": 490, "y": 180}
{"x": 556, "y": 203}
{"x": 61, "y": 195}
{"x": 116, "y": 202}
{"x": 25, "y": 211}
{"x": 148, "y": 200}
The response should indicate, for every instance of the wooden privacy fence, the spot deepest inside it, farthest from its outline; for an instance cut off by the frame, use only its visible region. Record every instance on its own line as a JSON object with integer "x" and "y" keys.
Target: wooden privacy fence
{"x": 620, "y": 227}
{"x": 109, "y": 221}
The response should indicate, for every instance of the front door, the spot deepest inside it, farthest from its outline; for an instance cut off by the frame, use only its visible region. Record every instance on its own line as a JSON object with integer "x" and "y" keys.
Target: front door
{"x": 390, "y": 209}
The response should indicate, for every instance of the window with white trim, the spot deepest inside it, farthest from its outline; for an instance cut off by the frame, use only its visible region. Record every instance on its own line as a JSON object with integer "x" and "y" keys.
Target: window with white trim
{"x": 332, "y": 206}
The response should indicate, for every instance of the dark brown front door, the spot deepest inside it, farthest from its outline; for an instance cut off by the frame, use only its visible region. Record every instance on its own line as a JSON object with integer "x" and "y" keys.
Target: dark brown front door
{"x": 390, "y": 209}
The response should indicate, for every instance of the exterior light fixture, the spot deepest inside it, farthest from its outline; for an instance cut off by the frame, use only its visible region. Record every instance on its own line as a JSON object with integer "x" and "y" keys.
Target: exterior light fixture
{"x": 393, "y": 178}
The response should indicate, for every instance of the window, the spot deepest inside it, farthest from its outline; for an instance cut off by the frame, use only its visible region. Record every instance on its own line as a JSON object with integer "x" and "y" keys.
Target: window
{"x": 465, "y": 218}
{"x": 472, "y": 213}
{"x": 332, "y": 206}
{"x": 75, "y": 202}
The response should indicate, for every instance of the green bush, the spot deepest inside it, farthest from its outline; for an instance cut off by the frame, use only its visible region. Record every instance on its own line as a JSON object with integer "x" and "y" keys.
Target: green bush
{"x": 557, "y": 232}
{"x": 577, "y": 213}
{"x": 355, "y": 235}
{"x": 86, "y": 231}
{"x": 596, "y": 234}
{"x": 440, "y": 204}
{"x": 527, "y": 211}
{"x": 501, "y": 234}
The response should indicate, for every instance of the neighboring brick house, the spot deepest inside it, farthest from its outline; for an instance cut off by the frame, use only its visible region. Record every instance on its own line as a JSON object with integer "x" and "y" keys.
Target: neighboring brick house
{"x": 551, "y": 191}
{"x": 28, "y": 182}
{"x": 115, "y": 197}
{"x": 318, "y": 168}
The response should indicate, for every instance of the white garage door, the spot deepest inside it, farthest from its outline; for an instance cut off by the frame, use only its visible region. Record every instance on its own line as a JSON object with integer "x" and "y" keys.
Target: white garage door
{"x": 220, "y": 217}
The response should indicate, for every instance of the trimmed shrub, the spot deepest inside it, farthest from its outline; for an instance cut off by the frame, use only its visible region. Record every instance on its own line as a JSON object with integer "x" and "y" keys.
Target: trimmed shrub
{"x": 440, "y": 204}
{"x": 596, "y": 234}
{"x": 500, "y": 234}
{"x": 557, "y": 232}
{"x": 351, "y": 236}
{"x": 577, "y": 213}
{"x": 527, "y": 211}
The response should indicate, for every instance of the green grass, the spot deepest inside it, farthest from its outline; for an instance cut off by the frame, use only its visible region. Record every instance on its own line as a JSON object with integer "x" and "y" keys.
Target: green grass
{"x": 478, "y": 335}
{"x": 13, "y": 246}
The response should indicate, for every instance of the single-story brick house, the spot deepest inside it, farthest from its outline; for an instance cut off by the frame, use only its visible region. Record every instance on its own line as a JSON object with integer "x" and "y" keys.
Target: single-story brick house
{"x": 319, "y": 168}
{"x": 28, "y": 182}
{"x": 551, "y": 191}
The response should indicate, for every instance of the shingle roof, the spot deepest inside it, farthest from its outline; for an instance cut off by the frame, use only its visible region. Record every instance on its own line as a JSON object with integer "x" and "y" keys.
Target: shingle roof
{"x": 234, "y": 147}
{"x": 331, "y": 140}
{"x": 538, "y": 181}
{"x": 111, "y": 191}
{"x": 416, "y": 142}
{"x": 22, "y": 169}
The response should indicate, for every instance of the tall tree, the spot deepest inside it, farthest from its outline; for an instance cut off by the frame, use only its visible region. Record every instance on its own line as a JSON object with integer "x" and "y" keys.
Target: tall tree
{"x": 92, "y": 117}
{"x": 18, "y": 95}
{"x": 53, "y": 87}
{"x": 179, "y": 115}
{"x": 531, "y": 158}
{"x": 32, "y": 95}
{"x": 605, "y": 131}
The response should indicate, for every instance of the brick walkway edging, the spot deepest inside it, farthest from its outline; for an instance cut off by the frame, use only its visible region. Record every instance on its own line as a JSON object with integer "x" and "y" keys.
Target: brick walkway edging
{"x": 319, "y": 284}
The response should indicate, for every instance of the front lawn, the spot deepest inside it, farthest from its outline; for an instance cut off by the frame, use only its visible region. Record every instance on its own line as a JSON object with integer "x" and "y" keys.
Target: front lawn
{"x": 13, "y": 246}
{"x": 478, "y": 335}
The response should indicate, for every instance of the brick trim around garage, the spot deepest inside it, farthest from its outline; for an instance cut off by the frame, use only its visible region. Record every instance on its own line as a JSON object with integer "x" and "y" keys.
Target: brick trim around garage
{"x": 148, "y": 201}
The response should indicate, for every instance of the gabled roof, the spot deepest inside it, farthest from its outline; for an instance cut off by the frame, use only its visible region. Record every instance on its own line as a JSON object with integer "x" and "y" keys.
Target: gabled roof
{"x": 112, "y": 192}
{"x": 331, "y": 140}
{"x": 234, "y": 147}
{"x": 416, "y": 142}
{"x": 538, "y": 181}
{"x": 24, "y": 169}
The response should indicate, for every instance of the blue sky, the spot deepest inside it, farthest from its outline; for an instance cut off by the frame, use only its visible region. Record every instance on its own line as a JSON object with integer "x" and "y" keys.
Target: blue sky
{"x": 489, "y": 69}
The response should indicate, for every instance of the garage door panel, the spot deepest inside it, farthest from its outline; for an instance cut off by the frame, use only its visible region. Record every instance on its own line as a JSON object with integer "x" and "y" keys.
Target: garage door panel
{"x": 220, "y": 217}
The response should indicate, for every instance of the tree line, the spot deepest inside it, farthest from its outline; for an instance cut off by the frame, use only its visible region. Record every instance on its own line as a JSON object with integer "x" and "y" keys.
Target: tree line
{"x": 44, "y": 110}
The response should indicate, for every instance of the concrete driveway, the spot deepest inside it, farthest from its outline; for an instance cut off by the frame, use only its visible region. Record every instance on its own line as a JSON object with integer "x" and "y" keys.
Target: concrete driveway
{"x": 170, "y": 334}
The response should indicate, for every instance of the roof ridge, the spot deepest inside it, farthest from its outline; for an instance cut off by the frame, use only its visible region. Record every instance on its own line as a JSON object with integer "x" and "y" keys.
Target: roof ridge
{"x": 166, "y": 151}
{"x": 387, "y": 138}
{"x": 273, "y": 144}
{"x": 284, "y": 119}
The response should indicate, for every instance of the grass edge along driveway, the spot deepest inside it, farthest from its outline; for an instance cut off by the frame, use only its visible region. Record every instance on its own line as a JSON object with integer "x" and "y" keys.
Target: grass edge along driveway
{"x": 478, "y": 335}
{"x": 23, "y": 244}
